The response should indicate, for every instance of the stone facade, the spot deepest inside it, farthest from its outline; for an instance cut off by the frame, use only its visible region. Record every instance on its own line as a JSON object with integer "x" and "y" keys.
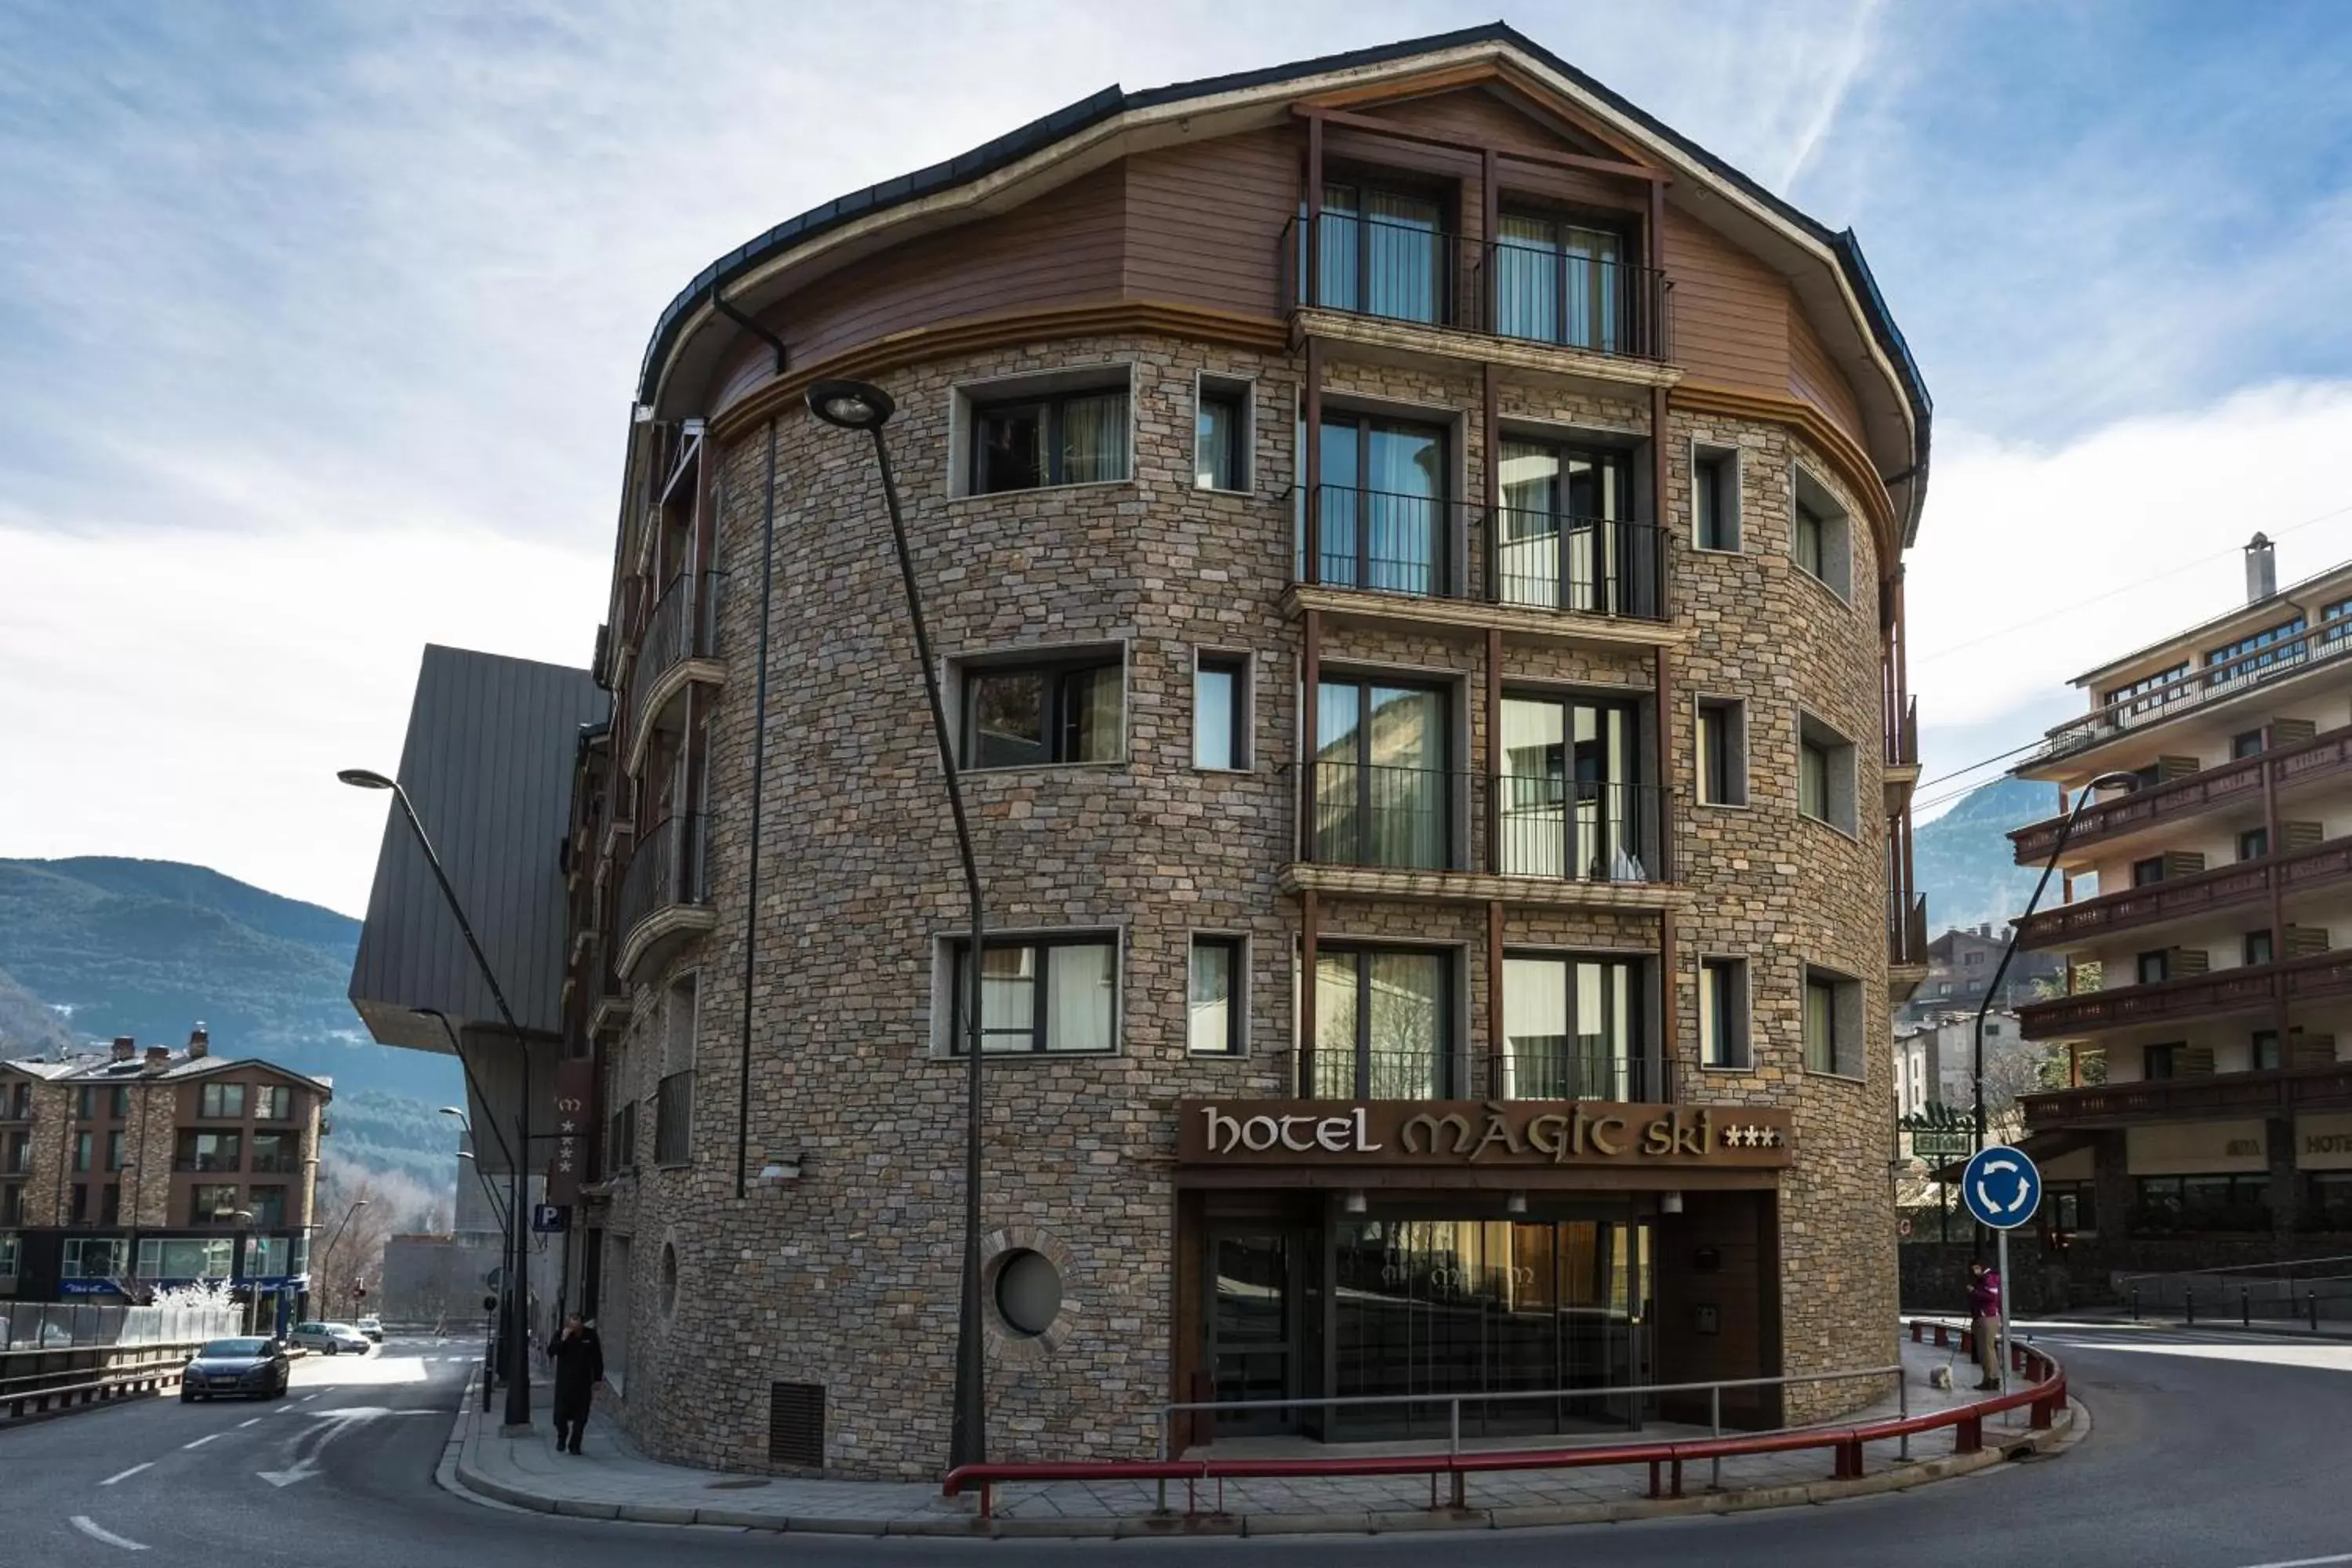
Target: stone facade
{"x": 847, "y": 1277}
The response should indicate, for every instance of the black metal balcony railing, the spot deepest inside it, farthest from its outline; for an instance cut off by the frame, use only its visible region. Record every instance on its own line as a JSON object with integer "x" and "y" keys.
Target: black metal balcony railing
{"x": 666, "y": 870}
{"x": 1386, "y": 542}
{"x": 1422, "y": 547}
{"x": 673, "y": 1112}
{"x": 1566, "y": 1070}
{"x": 1562, "y": 295}
{"x": 1577, "y": 1070}
{"x": 1370, "y": 814}
{"x": 1594, "y": 566}
{"x": 1426, "y": 1072}
{"x": 1580, "y": 830}
{"x": 684, "y": 624}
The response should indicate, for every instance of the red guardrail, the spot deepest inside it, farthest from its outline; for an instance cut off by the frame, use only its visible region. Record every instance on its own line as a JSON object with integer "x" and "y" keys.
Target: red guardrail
{"x": 2046, "y": 1396}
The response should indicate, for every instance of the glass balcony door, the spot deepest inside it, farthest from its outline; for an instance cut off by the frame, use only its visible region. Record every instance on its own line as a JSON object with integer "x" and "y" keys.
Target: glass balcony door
{"x": 1381, "y": 795}
{"x": 1383, "y": 506}
{"x": 1571, "y": 1030}
{"x": 1554, "y": 550}
{"x": 1569, "y": 798}
{"x": 1558, "y": 282}
{"x": 1380, "y": 254}
{"x": 1383, "y": 1025}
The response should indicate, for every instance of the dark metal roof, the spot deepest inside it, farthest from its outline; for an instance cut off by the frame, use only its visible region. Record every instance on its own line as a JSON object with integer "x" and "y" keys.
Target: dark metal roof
{"x": 1038, "y": 134}
{"x": 488, "y": 764}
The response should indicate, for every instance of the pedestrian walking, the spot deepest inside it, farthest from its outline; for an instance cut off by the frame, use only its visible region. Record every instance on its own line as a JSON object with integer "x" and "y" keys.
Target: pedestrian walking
{"x": 579, "y": 1358}
{"x": 1984, "y": 1305}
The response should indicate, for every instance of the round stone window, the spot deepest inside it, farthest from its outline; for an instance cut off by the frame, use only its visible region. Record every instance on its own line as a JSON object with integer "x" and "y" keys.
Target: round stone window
{"x": 1028, "y": 1292}
{"x": 668, "y": 1280}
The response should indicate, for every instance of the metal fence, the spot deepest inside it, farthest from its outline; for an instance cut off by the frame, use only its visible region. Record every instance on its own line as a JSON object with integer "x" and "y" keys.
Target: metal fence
{"x": 57, "y": 1326}
{"x": 2306, "y": 1291}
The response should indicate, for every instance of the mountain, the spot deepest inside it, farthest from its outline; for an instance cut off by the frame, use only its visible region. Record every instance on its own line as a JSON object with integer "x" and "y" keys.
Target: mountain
{"x": 149, "y": 948}
{"x": 1963, "y": 861}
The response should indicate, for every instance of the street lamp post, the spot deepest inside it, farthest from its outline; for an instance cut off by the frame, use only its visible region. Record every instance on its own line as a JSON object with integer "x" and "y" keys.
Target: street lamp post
{"x": 2017, "y": 929}
{"x": 519, "y": 1310}
{"x": 357, "y": 1205}
{"x": 857, "y": 406}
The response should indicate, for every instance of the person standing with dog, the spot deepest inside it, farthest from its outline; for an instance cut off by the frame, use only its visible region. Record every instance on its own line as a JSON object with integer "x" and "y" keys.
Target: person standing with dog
{"x": 1984, "y": 1305}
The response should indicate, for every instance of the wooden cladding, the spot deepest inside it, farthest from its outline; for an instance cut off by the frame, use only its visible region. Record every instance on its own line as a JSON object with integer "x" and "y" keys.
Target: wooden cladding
{"x": 2249, "y": 1093}
{"x": 2184, "y": 797}
{"x": 2245, "y": 989}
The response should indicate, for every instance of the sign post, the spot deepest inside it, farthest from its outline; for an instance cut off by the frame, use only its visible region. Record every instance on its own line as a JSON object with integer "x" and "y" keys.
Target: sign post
{"x": 2002, "y": 1190}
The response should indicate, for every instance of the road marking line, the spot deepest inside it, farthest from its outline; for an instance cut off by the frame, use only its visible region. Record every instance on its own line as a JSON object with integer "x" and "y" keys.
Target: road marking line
{"x": 127, "y": 1474}
{"x": 254, "y": 1422}
{"x": 201, "y": 1441}
{"x": 306, "y": 1399}
{"x": 82, "y": 1522}
{"x": 2306, "y": 1561}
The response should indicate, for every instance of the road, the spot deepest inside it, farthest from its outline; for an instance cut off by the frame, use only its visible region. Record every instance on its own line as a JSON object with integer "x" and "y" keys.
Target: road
{"x": 2209, "y": 1450}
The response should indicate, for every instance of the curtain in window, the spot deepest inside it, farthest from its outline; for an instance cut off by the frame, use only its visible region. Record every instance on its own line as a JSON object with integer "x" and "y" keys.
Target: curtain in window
{"x": 1534, "y": 788}
{"x": 1211, "y": 997}
{"x": 1094, "y": 439}
{"x": 1334, "y": 1027}
{"x": 1529, "y": 539}
{"x": 1813, "y": 780}
{"x": 1401, "y": 262}
{"x": 1339, "y": 283}
{"x": 1215, "y": 432}
{"x": 1080, "y": 997}
{"x": 1404, "y": 994}
{"x": 1535, "y": 1027}
{"x": 1404, "y": 514}
{"x": 1406, "y": 798}
{"x": 1008, "y": 999}
{"x": 1821, "y": 1027}
{"x": 1092, "y": 704}
{"x": 1527, "y": 279}
{"x": 1588, "y": 260}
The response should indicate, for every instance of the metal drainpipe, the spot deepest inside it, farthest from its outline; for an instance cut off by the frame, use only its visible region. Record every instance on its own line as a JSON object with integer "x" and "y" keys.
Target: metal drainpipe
{"x": 759, "y": 780}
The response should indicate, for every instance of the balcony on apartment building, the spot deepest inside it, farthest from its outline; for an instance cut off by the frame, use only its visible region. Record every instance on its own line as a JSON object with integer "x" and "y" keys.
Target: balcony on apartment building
{"x": 679, "y": 650}
{"x": 2172, "y": 898}
{"x": 1906, "y": 931}
{"x": 1456, "y": 835}
{"x": 2244, "y": 988}
{"x": 1546, "y": 293}
{"x": 2296, "y": 761}
{"x": 664, "y": 897}
{"x": 2272, "y": 1091}
{"x": 1535, "y": 569}
{"x": 1900, "y": 774}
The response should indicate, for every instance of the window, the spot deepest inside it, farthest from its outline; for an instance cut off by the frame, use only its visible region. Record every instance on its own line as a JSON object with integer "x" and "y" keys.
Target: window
{"x": 16, "y": 1101}
{"x": 16, "y": 1154}
{"x": 1214, "y": 1007}
{"x": 78, "y": 1204}
{"x": 114, "y": 1150}
{"x": 267, "y": 1204}
{"x": 268, "y": 1257}
{"x": 1563, "y": 536}
{"x": 2253, "y": 843}
{"x": 189, "y": 1257}
{"x": 109, "y": 1203}
{"x": 2160, "y": 1061}
{"x": 2262, "y": 1053}
{"x": 2249, "y": 744}
{"x": 1039, "y": 994}
{"x": 12, "y": 1203}
{"x": 1572, "y": 1030}
{"x": 1723, "y": 1011}
{"x": 2145, "y": 695}
{"x": 621, "y": 1141}
{"x": 1221, "y": 712}
{"x": 1560, "y": 282}
{"x": 1833, "y": 1024}
{"x": 1575, "y": 797}
{"x": 1973, "y": 959}
{"x": 2256, "y": 948}
{"x": 2281, "y": 644}
{"x": 2205, "y": 1202}
{"x": 275, "y": 1154}
{"x": 1714, "y": 498}
{"x": 1382, "y": 795}
{"x": 222, "y": 1101}
{"x": 674, "y": 1096}
{"x": 1722, "y": 752}
{"x": 8, "y": 1256}
{"x": 273, "y": 1102}
{"x": 1820, "y": 536}
{"x": 95, "y": 1257}
{"x": 2071, "y": 1207}
{"x": 2154, "y": 968}
{"x": 82, "y": 1146}
{"x": 1824, "y": 775}
{"x": 208, "y": 1151}
{"x": 1383, "y": 1025}
{"x": 2147, "y": 872}
{"x": 1221, "y": 435}
{"x": 1058, "y": 438}
{"x": 1381, "y": 517}
{"x": 1379, "y": 253}
{"x": 1052, "y": 711}
{"x": 212, "y": 1204}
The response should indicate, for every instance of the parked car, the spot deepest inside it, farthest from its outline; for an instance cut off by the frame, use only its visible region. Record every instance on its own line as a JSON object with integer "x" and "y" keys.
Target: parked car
{"x": 328, "y": 1339}
{"x": 244, "y": 1368}
{"x": 372, "y": 1328}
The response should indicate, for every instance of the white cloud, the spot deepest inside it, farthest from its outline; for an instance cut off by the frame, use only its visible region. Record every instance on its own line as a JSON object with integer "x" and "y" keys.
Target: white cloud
{"x": 2037, "y": 563}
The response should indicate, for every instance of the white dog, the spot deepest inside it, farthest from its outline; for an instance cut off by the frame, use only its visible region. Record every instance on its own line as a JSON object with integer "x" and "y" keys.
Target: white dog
{"x": 1940, "y": 1378}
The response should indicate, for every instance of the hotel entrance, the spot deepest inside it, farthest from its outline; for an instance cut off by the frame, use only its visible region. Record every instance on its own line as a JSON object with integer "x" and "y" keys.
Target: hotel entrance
{"x": 1407, "y": 1302}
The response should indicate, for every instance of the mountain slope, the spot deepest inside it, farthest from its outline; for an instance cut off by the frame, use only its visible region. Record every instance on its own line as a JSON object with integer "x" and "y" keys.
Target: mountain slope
{"x": 147, "y": 948}
{"x": 1963, "y": 862}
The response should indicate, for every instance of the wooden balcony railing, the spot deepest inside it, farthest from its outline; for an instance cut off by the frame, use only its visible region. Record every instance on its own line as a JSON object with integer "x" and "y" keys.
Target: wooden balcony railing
{"x": 1906, "y": 929}
{"x": 2273, "y": 1091}
{"x": 2235, "y": 990}
{"x": 2221, "y": 887}
{"x": 2201, "y": 687}
{"x": 2207, "y": 790}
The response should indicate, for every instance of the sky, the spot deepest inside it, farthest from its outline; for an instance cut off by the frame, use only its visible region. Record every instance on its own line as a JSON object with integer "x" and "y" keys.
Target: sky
{"x": 318, "y": 326}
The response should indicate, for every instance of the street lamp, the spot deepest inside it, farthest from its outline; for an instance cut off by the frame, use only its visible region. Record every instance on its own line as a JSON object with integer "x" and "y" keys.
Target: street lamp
{"x": 518, "y": 1308}
{"x": 2017, "y": 929}
{"x": 357, "y": 1205}
{"x": 857, "y": 406}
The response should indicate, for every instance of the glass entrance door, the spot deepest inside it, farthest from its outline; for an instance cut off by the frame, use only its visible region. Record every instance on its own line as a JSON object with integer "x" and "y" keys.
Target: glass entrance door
{"x": 1253, "y": 1326}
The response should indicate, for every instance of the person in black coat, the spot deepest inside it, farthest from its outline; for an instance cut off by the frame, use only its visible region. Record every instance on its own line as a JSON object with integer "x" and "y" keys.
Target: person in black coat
{"x": 579, "y": 1358}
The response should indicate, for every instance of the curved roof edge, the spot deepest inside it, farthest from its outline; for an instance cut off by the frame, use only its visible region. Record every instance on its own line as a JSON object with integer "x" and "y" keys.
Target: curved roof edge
{"x": 1111, "y": 101}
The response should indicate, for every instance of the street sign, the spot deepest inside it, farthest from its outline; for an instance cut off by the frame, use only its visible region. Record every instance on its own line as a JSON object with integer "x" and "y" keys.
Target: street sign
{"x": 493, "y": 1276}
{"x": 548, "y": 1219}
{"x": 1940, "y": 1132}
{"x": 2001, "y": 1188}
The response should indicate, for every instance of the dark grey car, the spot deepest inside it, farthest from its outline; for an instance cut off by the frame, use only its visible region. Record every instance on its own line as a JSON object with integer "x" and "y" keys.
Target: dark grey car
{"x": 243, "y": 1369}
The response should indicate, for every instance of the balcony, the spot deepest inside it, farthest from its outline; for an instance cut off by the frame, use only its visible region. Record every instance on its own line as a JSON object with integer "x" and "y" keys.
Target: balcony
{"x": 680, "y": 649}
{"x": 1563, "y": 1071}
{"x": 2322, "y": 758}
{"x": 1376, "y": 830}
{"x": 1906, "y": 945}
{"x": 1416, "y": 561}
{"x": 2214, "y": 1096}
{"x": 664, "y": 899}
{"x": 1404, "y": 286}
{"x": 1900, "y": 776}
{"x": 2182, "y": 898}
{"x": 2200, "y": 689}
{"x": 2245, "y": 989}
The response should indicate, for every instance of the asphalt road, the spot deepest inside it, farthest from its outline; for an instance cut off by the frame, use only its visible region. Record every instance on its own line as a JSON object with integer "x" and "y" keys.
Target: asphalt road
{"x": 2209, "y": 1450}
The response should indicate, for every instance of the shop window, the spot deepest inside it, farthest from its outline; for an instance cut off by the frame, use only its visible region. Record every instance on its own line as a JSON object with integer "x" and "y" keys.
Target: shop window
{"x": 1030, "y": 713}
{"x": 2223, "y": 1203}
{"x": 1039, "y": 994}
{"x": 98, "y": 1257}
{"x": 1214, "y": 1007}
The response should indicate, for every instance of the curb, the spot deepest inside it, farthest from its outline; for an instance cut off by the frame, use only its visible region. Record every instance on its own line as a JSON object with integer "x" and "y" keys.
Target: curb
{"x": 457, "y": 1474}
{"x": 2276, "y": 1331}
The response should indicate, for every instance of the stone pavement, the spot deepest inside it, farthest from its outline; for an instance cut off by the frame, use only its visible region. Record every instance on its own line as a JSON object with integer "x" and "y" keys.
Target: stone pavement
{"x": 614, "y": 1481}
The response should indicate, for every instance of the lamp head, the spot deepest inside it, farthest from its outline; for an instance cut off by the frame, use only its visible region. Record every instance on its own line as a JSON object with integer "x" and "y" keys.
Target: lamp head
{"x": 365, "y": 778}
{"x": 851, "y": 404}
{"x": 2116, "y": 781}
{"x": 453, "y": 1110}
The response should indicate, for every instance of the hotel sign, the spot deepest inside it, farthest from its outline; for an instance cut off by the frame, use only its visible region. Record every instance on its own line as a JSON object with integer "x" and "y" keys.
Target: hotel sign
{"x": 1486, "y": 1132}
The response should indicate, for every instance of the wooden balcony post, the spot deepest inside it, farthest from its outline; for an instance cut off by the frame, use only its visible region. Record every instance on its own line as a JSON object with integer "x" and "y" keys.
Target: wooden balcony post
{"x": 1310, "y": 287}
{"x": 1497, "y": 1042}
{"x": 2273, "y": 847}
{"x": 1308, "y": 916}
{"x": 1310, "y": 463}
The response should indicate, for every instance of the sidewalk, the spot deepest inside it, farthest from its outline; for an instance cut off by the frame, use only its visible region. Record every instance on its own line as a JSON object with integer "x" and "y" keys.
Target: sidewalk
{"x": 612, "y": 1480}
{"x": 2121, "y": 1318}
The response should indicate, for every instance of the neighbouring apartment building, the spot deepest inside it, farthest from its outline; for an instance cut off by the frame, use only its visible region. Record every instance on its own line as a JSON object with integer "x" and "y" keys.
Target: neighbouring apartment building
{"x": 1415, "y": 548}
{"x": 1934, "y": 1062}
{"x": 2215, "y": 922}
{"x": 141, "y": 1169}
{"x": 1960, "y": 966}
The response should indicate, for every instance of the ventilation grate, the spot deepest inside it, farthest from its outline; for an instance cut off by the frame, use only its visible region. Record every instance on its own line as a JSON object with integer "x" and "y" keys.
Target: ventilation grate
{"x": 796, "y": 1424}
